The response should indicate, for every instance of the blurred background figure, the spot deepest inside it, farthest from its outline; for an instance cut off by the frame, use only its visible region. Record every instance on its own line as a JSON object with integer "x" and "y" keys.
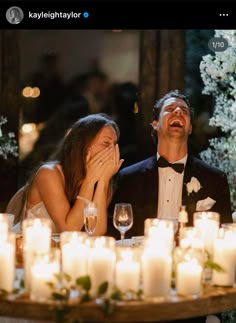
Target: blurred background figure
{"x": 51, "y": 86}
{"x": 49, "y": 137}
{"x": 124, "y": 109}
{"x": 95, "y": 88}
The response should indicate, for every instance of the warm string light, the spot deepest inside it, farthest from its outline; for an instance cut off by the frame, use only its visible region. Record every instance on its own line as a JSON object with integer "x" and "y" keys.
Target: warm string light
{"x": 31, "y": 92}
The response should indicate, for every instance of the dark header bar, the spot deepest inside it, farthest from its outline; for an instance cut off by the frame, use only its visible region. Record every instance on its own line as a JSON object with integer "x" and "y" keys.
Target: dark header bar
{"x": 118, "y": 15}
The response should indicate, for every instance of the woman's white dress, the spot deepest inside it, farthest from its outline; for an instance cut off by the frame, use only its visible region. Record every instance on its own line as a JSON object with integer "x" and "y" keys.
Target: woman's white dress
{"x": 37, "y": 211}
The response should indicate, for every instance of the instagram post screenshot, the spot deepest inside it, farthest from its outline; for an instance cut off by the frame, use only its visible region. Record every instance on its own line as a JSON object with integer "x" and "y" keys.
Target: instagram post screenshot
{"x": 117, "y": 161}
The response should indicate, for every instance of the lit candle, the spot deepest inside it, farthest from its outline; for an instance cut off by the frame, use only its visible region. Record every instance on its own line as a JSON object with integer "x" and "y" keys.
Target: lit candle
{"x": 127, "y": 277}
{"x": 207, "y": 226}
{"x": 189, "y": 278}
{"x": 156, "y": 272}
{"x": 230, "y": 234}
{"x": 37, "y": 235}
{"x": 36, "y": 239}
{"x": 224, "y": 255}
{"x": 43, "y": 271}
{"x": 188, "y": 238}
{"x": 7, "y": 262}
{"x": 74, "y": 254}
{"x": 101, "y": 262}
{"x": 4, "y": 225}
{"x": 160, "y": 232}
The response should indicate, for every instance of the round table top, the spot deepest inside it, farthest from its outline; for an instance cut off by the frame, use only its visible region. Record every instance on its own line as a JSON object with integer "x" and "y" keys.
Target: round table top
{"x": 213, "y": 300}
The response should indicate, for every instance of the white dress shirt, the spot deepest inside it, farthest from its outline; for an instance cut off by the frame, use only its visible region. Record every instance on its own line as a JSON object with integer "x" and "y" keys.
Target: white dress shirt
{"x": 170, "y": 191}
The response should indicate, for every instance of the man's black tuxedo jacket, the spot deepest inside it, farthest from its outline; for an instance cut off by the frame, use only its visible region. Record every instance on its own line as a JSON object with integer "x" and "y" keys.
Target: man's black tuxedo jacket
{"x": 138, "y": 184}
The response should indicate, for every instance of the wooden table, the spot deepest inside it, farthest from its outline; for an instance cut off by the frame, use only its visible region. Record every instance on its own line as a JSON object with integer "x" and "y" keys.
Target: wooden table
{"x": 213, "y": 300}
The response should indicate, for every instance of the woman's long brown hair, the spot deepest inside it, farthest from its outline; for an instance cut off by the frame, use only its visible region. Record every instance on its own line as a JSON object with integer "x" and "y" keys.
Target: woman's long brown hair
{"x": 72, "y": 151}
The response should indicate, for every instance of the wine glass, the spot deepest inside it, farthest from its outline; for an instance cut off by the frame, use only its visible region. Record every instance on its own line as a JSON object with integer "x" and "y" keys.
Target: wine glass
{"x": 90, "y": 218}
{"x": 123, "y": 218}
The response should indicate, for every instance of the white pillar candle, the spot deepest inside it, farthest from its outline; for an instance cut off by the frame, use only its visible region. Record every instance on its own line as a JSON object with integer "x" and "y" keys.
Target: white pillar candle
{"x": 149, "y": 222}
{"x": 36, "y": 239}
{"x": 101, "y": 262}
{"x": 127, "y": 272}
{"x": 189, "y": 238}
{"x": 230, "y": 235}
{"x": 160, "y": 231}
{"x": 156, "y": 272}
{"x": 43, "y": 270}
{"x": 37, "y": 234}
{"x": 74, "y": 255}
{"x": 4, "y": 225}
{"x": 189, "y": 278}
{"x": 224, "y": 255}
{"x": 207, "y": 226}
{"x": 7, "y": 262}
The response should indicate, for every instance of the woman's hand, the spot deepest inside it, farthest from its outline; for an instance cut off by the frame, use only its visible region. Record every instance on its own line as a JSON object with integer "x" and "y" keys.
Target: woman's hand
{"x": 96, "y": 165}
{"x": 112, "y": 165}
{"x": 104, "y": 164}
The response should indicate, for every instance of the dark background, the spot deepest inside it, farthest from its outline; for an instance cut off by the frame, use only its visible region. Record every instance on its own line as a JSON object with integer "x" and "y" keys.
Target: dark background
{"x": 168, "y": 41}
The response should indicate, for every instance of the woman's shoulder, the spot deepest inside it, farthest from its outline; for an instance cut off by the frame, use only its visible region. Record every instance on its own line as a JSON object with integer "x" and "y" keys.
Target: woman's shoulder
{"x": 48, "y": 170}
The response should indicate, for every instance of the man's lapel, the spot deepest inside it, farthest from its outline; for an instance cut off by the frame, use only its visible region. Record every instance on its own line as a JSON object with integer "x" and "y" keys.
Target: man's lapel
{"x": 189, "y": 200}
{"x": 151, "y": 186}
{"x": 187, "y": 178}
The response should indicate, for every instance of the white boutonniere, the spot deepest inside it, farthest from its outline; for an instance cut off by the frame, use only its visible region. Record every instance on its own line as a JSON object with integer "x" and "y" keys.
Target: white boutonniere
{"x": 193, "y": 185}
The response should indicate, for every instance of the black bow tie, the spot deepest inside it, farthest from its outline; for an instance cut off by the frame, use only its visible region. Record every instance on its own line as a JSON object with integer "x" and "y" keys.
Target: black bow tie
{"x": 178, "y": 167}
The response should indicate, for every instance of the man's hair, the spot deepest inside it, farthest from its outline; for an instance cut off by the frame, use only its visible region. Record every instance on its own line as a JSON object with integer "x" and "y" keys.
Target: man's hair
{"x": 159, "y": 104}
{"x": 172, "y": 94}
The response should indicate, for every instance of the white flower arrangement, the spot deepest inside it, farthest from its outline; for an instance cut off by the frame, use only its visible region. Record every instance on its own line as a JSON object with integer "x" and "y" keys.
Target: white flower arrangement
{"x": 218, "y": 72}
{"x": 8, "y": 143}
{"x": 193, "y": 186}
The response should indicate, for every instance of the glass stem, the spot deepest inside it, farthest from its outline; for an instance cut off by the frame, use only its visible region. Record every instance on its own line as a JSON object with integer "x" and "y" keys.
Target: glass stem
{"x": 122, "y": 235}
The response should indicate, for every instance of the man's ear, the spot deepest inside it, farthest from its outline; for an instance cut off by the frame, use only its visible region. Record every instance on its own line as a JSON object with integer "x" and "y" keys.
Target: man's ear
{"x": 155, "y": 124}
{"x": 190, "y": 130}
